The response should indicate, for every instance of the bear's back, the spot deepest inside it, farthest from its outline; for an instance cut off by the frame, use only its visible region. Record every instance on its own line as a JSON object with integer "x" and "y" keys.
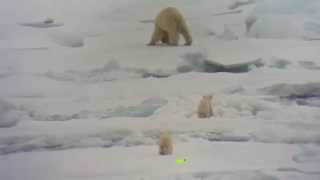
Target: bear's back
{"x": 168, "y": 17}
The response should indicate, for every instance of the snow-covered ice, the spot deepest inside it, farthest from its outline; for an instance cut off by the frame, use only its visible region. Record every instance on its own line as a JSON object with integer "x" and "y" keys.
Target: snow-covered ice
{"x": 286, "y": 19}
{"x": 83, "y": 97}
{"x": 8, "y": 117}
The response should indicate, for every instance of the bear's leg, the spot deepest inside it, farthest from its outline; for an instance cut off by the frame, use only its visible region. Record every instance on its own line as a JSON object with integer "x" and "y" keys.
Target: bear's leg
{"x": 173, "y": 37}
{"x": 210, "y": 110}
{"x": 201, "y": 115}
{"x": 187, "y": 38}
{"x": 156, "y": 36}
{"x": 185, "y": 33}
{"x": 165, "y": 38}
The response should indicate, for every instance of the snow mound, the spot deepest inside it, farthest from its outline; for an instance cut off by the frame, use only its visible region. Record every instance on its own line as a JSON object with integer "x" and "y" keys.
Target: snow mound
{"x": 9, "y": 115}
{"x": 83, "y": 114}
{"x": 222, "y": 136}
{"x": 291, "y": 170}
{"x": 53, "y": 117}
{"x": 309, "y": 154}
{"x": 294, "y": 91}
{"x": 197, "y": 61}
{"x": 228, "y": 34}
{"x": 283, "y": 63}
{"x": 112, "y": 71}
{"x": 47, "y": 23}
{"x": 237, "y": 105}
{"x": 309, "y": 65}
{"x": 145, "y": 109}
{"x": 193, "y": 61}
{"x": 138, "y": 139}
{"x": 314, "y": 102}
{"x": 234, "y": 89}
{"x": 42, "y": 25}
{"x": 278, "y": 63}
{"x": 237, "y": 4}
{"x": 300, "y": 135}
{"x": 67, "y": 39}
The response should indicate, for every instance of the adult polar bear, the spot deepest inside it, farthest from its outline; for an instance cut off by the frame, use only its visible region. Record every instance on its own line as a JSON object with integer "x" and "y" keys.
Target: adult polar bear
{"x": 169, "y": 24}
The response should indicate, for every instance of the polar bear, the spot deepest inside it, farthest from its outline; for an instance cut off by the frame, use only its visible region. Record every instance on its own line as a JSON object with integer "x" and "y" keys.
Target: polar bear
{"x": 169, "y": 24}
{"x": 205, "y": 107}
{"x": 165, "y": 143}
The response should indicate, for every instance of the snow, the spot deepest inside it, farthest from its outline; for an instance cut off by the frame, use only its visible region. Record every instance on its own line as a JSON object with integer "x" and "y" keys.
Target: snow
{"x": 67, "y": 39}
{"x": 117, "y": 162}
{"x": 9, "y": 115}
{"x": 86, "y": 98}
{"x": 294, "y": 90}
{"x": 309, "y": 154}
{"x": 145, "y": 109}
{"x": 46, "y": 24}
{"x": 274, "y": 20}
{"x": 228, "y": 34}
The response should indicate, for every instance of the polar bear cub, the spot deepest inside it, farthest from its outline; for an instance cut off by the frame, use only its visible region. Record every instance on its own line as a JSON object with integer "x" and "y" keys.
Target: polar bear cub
{"x": 165, "y": 143}
{"x": 205, "y": 107}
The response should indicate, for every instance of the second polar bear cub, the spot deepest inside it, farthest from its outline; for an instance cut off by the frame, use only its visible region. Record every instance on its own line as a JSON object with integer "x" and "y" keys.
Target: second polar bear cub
{"x": 205, "y": 107}
{"x": 169, "y": 24}
{"x": 165, "y": 143}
